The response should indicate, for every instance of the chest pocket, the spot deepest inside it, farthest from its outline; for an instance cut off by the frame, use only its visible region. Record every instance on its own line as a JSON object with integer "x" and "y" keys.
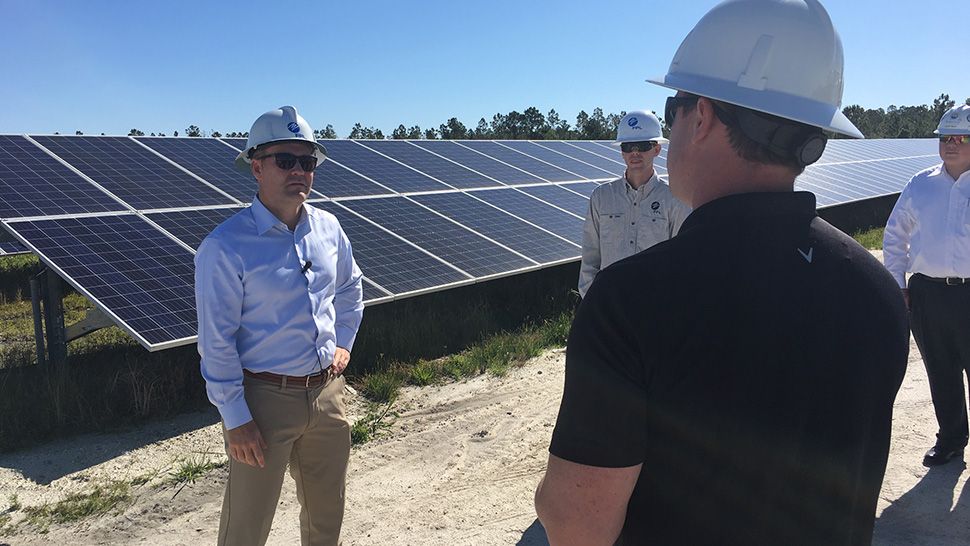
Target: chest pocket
{"x": 613, "y": 237}
{"x": 652, "y": 229}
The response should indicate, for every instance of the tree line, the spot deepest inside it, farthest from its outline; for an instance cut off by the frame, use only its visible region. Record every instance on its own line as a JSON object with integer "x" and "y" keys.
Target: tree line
{"x": 531, "y": 124}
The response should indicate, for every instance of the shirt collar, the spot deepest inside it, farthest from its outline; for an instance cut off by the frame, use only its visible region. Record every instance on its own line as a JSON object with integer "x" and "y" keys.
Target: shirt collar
{"x": 266, "y": 220}
{"x": 757, "y": 206}
{"x": 646, "y": 185}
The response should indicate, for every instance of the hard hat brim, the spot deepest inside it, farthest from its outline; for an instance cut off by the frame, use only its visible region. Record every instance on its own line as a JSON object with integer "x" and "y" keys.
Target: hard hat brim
{"x": 658, "y": 140}
{"x": 783, "y": 105}
{"x": 242, "y": 162}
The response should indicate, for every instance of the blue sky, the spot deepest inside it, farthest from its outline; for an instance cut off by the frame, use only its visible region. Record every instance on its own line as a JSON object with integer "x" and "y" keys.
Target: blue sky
{"x": 109, "y": 66}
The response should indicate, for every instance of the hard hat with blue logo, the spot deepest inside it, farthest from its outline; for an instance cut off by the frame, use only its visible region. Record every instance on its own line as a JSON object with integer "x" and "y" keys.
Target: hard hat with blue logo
{"x": 639, "y": 126}
{"x": 956, "y": 121}
{"x": 280, "y": 125}
{"x": 780, "y": 57}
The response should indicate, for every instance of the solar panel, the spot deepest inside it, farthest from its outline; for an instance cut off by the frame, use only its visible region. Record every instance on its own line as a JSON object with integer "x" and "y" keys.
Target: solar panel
{"x": 534, "y": 211}
{"x": 520, "y": 160}
{"x": 478, "y": 162}
{"x": 562, "y": 161}
{"x": 583, "y": 188}
{"x": 442, "y": 169}
{"x": 373, "y": 293}
{"x": 442, "y": 237}
{"x": 128, "y": 268}
{"x": 614, "y": 167}
{"x": 208, "y": 158}
{"x": 390, "y": 261}
{"x": 561, "y": 197}
{"x": 33, "y": 183}
{"x": 531, "y": 241}
{"x": 379, "y": 168}
{"x": 129, "y": 171}
{"x": 12, "y": 248}
{"x": 192, "y": 226}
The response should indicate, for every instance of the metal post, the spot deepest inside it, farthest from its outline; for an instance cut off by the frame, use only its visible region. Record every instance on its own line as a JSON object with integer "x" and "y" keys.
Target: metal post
{"x": 36, "y": 293}
{"x": 54, "y": 307}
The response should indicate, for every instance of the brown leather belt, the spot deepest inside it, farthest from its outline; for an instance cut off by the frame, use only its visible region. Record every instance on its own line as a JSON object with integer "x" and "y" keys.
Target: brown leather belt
{"x": 294, "y": 381}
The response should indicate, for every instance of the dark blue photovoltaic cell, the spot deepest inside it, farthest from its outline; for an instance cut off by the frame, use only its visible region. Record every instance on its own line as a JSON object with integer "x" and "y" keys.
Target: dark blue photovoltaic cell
{"x": 442, "y": 237}
{"x": 33, "y": 183}
{"x": 239, "y": 143}
{"x": 135, "y": 175}
{"x": 615, "y": 167}
{"x": 477, "y": 162}
{"x": 389, "y": 261}
{"x": 333, "y": 180}
{"x": 536, "y": 212}
{"x": 127, "y": 266}
{"x": 441, "y": 169}
{"x": 372, "y": 292}
{"x": 561, "y": 197}
{"x": 834, "y": 184}
{"x": 840, "y": 150}
{"x": 208, "y": 159}
{"x": 191, "y": 226}
{"x": 499, "y": 226}
{"x": 542, "y": 170}
{"x": 584, "y": 188}
{"x": 379, "y": 168}
{"x": 9, "y": 248}
{"x": 583, "y": 170}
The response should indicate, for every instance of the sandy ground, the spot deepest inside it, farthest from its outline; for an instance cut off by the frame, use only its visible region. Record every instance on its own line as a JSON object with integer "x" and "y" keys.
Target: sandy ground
{"x": 458, "y": 466}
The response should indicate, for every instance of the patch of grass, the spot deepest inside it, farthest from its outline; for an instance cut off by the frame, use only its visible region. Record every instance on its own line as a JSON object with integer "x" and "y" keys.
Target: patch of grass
{"x": 870, "y": 238}
{"x": 77, "y": 506}
{"x": 191, "y": 468}
{"x": 423, "y": 373}
{"x": 5, "y": 528}
{"x": 13, "y": 503}
{"x": 383, "y": 386}
{"x": 369, "y": 426}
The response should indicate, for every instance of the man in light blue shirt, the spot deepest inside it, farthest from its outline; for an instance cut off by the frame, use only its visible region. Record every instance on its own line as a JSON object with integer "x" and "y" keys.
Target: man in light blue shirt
{"x": 279, "y": 302}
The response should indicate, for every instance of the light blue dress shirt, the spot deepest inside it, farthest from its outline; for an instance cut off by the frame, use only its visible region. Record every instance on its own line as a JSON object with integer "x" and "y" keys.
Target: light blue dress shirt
{"x": 259, "y": 310}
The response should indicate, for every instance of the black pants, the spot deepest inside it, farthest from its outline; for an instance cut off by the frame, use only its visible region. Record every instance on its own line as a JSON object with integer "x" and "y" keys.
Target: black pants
{"x": 940, "y": 320}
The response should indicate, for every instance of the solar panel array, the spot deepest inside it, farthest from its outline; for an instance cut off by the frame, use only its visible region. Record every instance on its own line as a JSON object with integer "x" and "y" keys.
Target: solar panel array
{"x": 120, "y": 217}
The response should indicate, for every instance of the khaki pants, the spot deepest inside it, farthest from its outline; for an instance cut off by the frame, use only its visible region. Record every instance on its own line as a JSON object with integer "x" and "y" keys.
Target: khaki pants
{"x": 307, "y": 429}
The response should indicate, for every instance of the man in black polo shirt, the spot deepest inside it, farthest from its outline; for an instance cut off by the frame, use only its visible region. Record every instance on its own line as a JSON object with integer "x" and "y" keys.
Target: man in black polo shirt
{"x": 759, "y": 410}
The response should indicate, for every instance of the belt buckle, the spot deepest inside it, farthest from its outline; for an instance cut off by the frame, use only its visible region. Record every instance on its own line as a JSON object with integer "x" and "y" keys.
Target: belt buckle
{"x": 956, "y": 280}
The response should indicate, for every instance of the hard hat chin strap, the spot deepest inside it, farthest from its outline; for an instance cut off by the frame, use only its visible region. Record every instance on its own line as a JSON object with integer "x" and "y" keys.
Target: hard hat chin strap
{"x": 788, "y": 140}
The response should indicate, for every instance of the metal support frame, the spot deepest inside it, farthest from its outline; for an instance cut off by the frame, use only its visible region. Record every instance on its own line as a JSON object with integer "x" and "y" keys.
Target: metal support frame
{"x": 50, "y": 335}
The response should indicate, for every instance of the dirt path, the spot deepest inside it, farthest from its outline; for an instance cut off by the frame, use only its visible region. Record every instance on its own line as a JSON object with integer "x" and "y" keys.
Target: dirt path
{"x": 459, "y": 466}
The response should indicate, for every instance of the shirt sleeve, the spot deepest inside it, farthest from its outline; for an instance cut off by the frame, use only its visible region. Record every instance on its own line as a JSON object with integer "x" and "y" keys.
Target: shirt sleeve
{"x": 348, "y": 301}
{"x": 591, "y": 259}
{"x": 897, "y": 235}
{"x": 602, "y": 418}
{"x": 218, "y": 297}
{"x": 677, "y": 214}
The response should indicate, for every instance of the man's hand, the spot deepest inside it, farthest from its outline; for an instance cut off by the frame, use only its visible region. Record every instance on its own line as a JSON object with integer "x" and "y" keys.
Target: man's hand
{"x": 341, "y": 357}
{"x": 906, "y": 298}
{"x": 246, "y": 444}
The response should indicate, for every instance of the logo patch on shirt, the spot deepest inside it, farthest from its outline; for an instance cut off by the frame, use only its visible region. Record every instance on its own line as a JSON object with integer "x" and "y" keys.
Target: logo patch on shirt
{"x": 806, "y": 255}
{"x": 655, "y": 205}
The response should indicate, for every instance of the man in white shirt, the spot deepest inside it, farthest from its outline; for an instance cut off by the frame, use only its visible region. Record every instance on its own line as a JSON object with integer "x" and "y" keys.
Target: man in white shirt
{"x": 632, "y": 213}
{"x": 928, "y": 234}
{"x": 279, "y": 302}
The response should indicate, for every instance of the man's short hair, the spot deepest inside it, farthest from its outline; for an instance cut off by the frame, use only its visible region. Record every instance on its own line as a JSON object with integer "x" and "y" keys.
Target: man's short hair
{"x": 751, "y": 150}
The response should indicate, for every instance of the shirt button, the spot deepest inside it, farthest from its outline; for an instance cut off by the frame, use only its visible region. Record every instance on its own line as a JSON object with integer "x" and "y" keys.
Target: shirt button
{"x": 633, "y": 223}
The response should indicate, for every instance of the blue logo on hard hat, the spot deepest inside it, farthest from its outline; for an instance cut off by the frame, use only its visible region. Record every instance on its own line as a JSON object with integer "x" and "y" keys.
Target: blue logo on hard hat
{"x": 632, "y": 122}
{"x": 968, "y": 117}
{"x": 294, "y": 127}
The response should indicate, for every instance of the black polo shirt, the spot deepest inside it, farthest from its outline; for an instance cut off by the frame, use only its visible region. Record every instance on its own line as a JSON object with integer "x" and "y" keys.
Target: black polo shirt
{"x": 750, "y": 365}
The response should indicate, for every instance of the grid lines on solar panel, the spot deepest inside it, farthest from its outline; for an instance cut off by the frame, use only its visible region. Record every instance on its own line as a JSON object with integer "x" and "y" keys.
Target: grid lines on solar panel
{"x": 237, "y": 142}
{"x": 426, "y": 162}
{"x": 10, "y": 248}
{"x": 208, "y": 159}
{"x": 372, "y": 292}
{"x": 129, "y": 171}
{"x": 522, "y": 161}
{"x": 536, "y": 212}
{"x": 514, "y": 233}
{"x": 584, "y": 170}
{"x": 616, "y": 168}
{"x": 379, "y": 168}
{"x": 442, "y": 237}
{"x": 136, "y": 272}
{"x": 584, "y": 188}
{"x": 192, "y": 226}
{"x": 333, "y": 180}
{"x": 478, "y": 162}
{"x": 33, "y": 183}
{"x": 561, "y": 197}
{"x": 389, "y": 261}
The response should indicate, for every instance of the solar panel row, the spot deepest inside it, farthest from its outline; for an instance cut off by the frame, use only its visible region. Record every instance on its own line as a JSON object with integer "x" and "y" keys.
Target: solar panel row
{"x": 120, "y": 217}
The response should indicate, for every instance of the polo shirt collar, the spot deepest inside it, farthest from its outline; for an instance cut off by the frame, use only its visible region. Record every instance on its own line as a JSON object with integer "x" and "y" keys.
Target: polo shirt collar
{"x": 765, "y": 206}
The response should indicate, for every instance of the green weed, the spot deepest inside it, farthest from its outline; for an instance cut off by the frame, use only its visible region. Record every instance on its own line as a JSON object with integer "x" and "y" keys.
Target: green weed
{"x": 423, "y": 373}
{"x": 77, "y": 506}
{"x": 382, "y": 386}
{"x": 367, "y": 427}
{"x": 871, "y": 238}
{"x": 13, "y": 503}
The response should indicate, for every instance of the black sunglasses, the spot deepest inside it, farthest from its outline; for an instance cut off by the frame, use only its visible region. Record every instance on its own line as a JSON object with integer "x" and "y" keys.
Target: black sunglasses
{"x": 642, "y": 146}
{"x": 286, "y": 161}
{"x": 674, "y": 104}
{"x": 956, "y": 139}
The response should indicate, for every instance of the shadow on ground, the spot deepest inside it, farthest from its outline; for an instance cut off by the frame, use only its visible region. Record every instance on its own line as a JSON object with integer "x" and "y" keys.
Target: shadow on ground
{"x": 926, "y": 509}
{"x": 535, "y": 535}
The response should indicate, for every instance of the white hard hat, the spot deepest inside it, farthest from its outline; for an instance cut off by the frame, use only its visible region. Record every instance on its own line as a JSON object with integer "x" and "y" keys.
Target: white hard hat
{"x": 638, "y": 126}
{"x": 278, "y": 125}
{"x": 956, "y": 121}
{"x": 781, "y": 57}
